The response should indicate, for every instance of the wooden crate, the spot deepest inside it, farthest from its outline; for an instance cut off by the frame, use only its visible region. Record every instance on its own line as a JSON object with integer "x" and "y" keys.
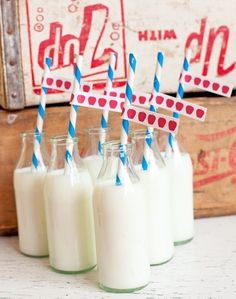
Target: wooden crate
{"x": 33, "y": 28}
{"x": 212, "y": 146}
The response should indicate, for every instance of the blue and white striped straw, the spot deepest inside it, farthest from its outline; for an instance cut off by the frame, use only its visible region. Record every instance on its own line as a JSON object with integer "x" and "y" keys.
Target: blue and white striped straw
{"x": 180, "y": 92}
{"x": 40, "y": 118}
{"x": 156, "y": 89}
{"x": 73, "y": 111}
{"x": 105, "y": 112}
{"x": 125, "y": 123}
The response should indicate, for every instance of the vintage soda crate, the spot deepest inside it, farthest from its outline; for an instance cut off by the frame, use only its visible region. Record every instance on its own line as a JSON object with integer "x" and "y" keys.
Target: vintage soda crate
{"x": 212, "y": 146}
{"x": 32, "y": 29}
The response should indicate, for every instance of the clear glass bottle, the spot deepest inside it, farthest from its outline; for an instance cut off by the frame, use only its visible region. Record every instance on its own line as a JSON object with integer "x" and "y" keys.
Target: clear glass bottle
{"x": 120, "y": 225}
{"x": 91, "y": 157}
{"x": 68, "y": 202}
{"x": 156, "y": 181}
{"x": 28, "y": 186}
{"x": 181, "y": 175}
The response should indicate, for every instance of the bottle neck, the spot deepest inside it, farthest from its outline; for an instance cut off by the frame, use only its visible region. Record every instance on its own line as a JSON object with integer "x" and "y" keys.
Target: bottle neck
{"x": 60, "y": 147}
{"x": 112, "y": 153}
{"x": 92, "y": 140}
{"x": 146, "y": 147}
{"x": 33, "y": 144}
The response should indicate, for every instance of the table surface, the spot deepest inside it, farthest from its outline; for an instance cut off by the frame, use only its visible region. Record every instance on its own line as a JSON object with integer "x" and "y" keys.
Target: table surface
{"x": 204, "y": 268}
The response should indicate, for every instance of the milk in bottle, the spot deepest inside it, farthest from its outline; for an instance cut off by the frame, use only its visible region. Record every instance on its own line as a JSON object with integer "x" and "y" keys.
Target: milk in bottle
{"x": 68, "y": 200}
{"x": 155, "y": 178}
{"x": 120, "y": 226}
{"x": 28, "y": 186}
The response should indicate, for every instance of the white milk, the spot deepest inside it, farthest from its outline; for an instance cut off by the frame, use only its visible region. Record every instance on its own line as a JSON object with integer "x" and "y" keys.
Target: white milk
{"x": 28, "y": 187}
{"x": 181, "y": 173}
{"x": 93, "y": 164}
{"x": 70, "y": 221}
{"x": 156, "y": 185}
{"x": 121, "y": 235}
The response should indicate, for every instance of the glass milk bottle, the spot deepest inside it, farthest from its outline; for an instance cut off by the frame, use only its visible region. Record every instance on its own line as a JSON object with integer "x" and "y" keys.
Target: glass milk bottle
{"x": 156, "y": 182}
{"x": 181, "y": 174}
{"x": 91, "y": 157}
{"x": 68, "y": 201}
{"x": 120, "y": 225}
{"x": 28, "y": 186}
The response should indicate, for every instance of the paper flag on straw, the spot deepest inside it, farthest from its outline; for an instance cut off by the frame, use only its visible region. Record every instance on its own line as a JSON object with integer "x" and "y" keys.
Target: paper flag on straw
{"x": 97, "y": 101}
{"x": 166, "y": 102}
{"x": 151, "y": 119}
{"x": 138, "y": 98}
{"x": 63, "y": 83}
{"x": 209, "y": 84}
{"x": 93, "y": 100}
{"x": 181, "y": 106}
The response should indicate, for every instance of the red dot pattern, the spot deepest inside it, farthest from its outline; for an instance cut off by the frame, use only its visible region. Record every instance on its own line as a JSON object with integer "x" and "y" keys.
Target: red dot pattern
{"x": 180, "y": 106}
{"x": 136, "y": 99}
{"x": 64, "y": 85}
{"x": 98, "y": 101}
{"x": 203, "y": 83}
{"x": 148, "y": 118}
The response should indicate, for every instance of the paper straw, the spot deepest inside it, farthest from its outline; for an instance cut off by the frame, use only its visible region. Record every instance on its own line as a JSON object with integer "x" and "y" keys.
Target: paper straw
{"x": 180, "y": 92}
{"x": 73, "y": 111}
{"x": 156, "y": 89}
{"x": 125, "y": 123}
{"x": 105, "y": 112}
{"x": 40, "y": 118}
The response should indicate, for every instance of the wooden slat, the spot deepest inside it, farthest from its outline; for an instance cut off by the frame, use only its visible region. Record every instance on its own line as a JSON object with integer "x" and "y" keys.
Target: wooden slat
{"x": 12, "y": 68}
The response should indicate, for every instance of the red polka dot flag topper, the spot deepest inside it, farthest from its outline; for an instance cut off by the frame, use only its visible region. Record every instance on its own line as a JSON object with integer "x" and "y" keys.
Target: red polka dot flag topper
{"x": 135, "y": 114}
{"x": 114, "y": 101}
{"x": 205, "y": 83}
{"x": 63, "y": 83}
{"x": 151, "y": 119}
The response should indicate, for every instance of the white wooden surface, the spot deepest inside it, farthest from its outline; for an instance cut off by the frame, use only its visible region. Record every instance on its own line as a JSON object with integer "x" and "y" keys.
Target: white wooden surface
{"x": 204, "y": 268}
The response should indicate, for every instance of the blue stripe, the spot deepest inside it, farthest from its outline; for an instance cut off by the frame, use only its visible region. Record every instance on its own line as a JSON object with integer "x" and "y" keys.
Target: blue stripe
{"x": 103, "y": 122}
{"x": 132, "y": 62}
{"x": 38, "y": 135}
{"x": 125, "y": 125}
{"x": 181, "y": 91}
{"x": 41, "y": 111}
{"x": 45, "y": 90}
{"x": 156, "y": 84}
{"x": 77, "y": 74}
{"x": 152, "y": 108}
{"x": 129, "y": 93}
{"x": 110, "y": 73}
{"x": 48, "y": 61}
{"x": 68, "y": 156}
{"x": 35, "y": 161}
{"x": 160, "y": 58}
{"x": 75, "y": 107}
{"x": 144, "y": 164}
{"x": 170, "y": 140}
{"x": 118, "y": 181}
{"x": 186, "y": 64}
{"x": 71, "y": 130}
{"x": 100, "y": 147}
{"x": 149, "y": 140}
{"x": 176, "y": 114}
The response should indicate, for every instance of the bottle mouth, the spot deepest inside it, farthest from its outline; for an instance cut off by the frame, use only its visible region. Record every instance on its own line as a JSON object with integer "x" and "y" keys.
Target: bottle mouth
{"x": 63, "y": 140}
{"x": 96, "y": 131}
{"x": 31, "y": 133}
{"x": 116, "y": 146}
{"x": 142, "y": 134}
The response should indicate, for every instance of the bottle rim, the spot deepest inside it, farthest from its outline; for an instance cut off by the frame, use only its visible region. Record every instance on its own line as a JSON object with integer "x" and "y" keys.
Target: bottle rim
{"x": 31, "y": 133}
{"x": 115, "y": 146}
{"x": 63, "y": 140}
{"x": 142, "y": 134}
{"x": 96, "y": 130}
